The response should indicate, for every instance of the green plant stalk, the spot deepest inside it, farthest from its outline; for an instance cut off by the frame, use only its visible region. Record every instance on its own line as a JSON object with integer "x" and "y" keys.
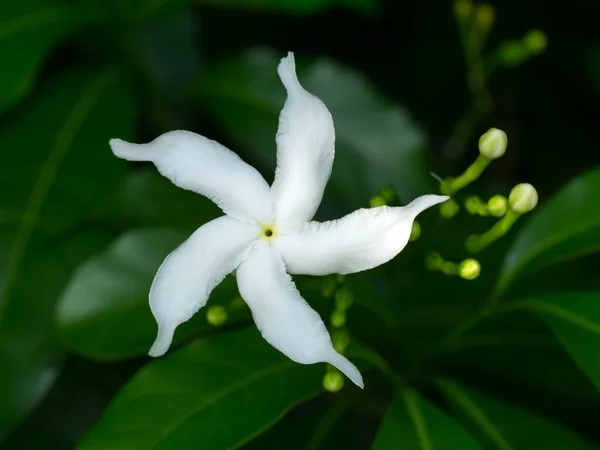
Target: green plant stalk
{"x": 468, "y": 176}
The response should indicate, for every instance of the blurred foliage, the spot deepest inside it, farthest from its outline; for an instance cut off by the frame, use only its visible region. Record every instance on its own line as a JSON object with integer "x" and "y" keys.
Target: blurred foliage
{"x": 505, "y": 359}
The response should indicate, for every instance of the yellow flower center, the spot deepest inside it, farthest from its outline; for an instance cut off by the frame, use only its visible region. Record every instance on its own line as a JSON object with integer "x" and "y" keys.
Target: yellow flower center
{"x": 268, "y": 232}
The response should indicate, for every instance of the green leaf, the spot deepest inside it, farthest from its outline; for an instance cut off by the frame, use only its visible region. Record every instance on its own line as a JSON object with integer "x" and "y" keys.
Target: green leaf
{"x": 508, "y": 427}
{"x": 564, "y": 227}
{"x": 217, "y": 392}
{"x": 412, "y": 422}
{"x": 29, "y": 29}
{"x": 55, "y": 170}
{"x": 377, "y": 143}
{"x": 292, "y": 6}
{"x": 575, "y": 319}
{"x": 104, "y": 314}
{"x": 146, "y": 198}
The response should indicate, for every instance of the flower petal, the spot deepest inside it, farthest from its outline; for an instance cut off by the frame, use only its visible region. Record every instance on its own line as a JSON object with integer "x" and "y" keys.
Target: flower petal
{"x": 305, "y": 150}
{"x": 189, "y": 274}
{"x": 283, "y": 317}
{"x": 359, "y": 241}
{"x": 198, "y": 164}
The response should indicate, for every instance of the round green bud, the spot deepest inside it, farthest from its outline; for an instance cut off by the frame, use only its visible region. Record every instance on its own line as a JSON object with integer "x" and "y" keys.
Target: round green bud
{"x": 448, "y": 267}
{"x": 216, "y": 315}
{"x": 376, "y": 201}
{"x": 415, "y": 232}
{"x": 338, "y": 318}
{"x": 328, "y": 287}
{"x": 473, "y": 205}
{"x": 497, "y": 205}
{"x": 523, "y": 198}
{"x": 388, "y": 194}
{"x": 344, "y": 298}
{"x": 333, "y": 381}
{"x": 493, "y": 143}
{"x": 485, "y": 15}
{"x": 433, "y": 261}
{"x": 469, "y": 269}
{"x": 340, "y": 340}
{"x": 449, "y": 209}
{"x": 535, "y": 41}
{"x": 512, "y": 53}
{"x": 462, "y": 9}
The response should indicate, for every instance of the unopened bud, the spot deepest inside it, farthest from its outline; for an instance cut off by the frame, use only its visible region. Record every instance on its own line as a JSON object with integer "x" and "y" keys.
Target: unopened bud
{"x": 469, "y": 269}
{"x": 485, "y": 15}
{"x": 535, "y": 41}
{"x": 376, "y": 201}
{"x": 497, "y": 205}
{"x": 333, "y": 381}
{"x": 415, "y": 232}
{"x": 344, "y": 298}
{"x": 462, "y": 9}
{"x": 523, "y": 198}
{"x": 493, "y": 143}
{"x": 340, "y": 340}
{"x": 216, "y": 315}
{"x": 338, "y": 318}
{"x": 449, "y": 209}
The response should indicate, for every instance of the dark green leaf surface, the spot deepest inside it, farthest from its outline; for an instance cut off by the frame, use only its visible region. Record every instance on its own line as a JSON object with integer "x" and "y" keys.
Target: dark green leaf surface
{"x": 104, "y": 314}
{"x": 413, "y": 423}
{"x": 291, "y": 6}
{"x": 377, "y": 143}
{"x": 575, "y": 319}
{"x": 564, "y": 227}
{"x": 215, "y": 393}
{"x": 58, "y": 142}
{"x": 29, "y": 29}
{"x": 509, "y": 427}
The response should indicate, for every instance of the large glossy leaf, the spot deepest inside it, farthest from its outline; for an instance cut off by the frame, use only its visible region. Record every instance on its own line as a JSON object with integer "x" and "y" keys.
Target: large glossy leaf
{"x": 506, "y": 426}
{"x": 377, "y": 143}
{"x": 564, "y": 227}
{"x": 575, "y": 319}
{"x": 216, "y": 393}
{"x": 104, "y": 314}
{"x": 29, "y": 29}
{"x": 413, "y": 423}
{"x": 55, "y": 168}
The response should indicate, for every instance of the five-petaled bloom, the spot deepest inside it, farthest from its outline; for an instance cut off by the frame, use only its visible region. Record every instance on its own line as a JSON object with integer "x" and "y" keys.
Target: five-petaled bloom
{"x": 267, "y": 231}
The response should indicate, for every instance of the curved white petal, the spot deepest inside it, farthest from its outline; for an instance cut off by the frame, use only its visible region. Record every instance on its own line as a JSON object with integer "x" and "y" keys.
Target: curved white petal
{"x": 189, "y": 274}
{"x": 198, "y": 164}
{"x": 305, "y": 150}
{"x": 283, "y": 317}
{"x": 359, "y": 241}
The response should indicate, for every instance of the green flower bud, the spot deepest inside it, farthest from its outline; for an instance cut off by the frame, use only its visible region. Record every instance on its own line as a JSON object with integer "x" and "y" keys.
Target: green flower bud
{"x": 338, "y": 318}
{"x": 462, "y": 9}
{"x": 216, "y": 315}
{"x": 340, "y": 340}
{"x": 523, "y": 198}
{"x": 497, "y": 205}
{"x": 469, "y": 269}
{"x": 512, "y": 53}
{"x": 485, "y": 16}
{"x": 433, "y": 261}
{"x": 328, "y": 287}
{"x": 333, "y": 381}
{"x": 448, "y": 209}
{"x": 415, "y": 232}
{"x": 535, "y": 41}
{"x": 388, "y": 194}
{"x": 493, "y": 143}
{"x": 473, "y": 205}
{"x": 376, "y": 201}
{"x": 344, "y": 298}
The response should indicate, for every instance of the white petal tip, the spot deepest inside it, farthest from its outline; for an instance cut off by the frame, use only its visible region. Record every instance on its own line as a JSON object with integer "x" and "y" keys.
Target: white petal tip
{"x": 347, "y": 368}
{"x": 423, "y": 202}
{"x": 162, "y": 343}
{"x": 287, "y": 71}
{"x": 130, "y": 152}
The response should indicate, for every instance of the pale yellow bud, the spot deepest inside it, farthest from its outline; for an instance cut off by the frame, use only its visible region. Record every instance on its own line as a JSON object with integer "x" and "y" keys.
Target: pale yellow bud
{"x": 497, "y": 205}
{"x": 469, "y": 269}
{"x": 493, "y": 143}
{"x": 523, "y": 198}
{"x": 216, "y": 315}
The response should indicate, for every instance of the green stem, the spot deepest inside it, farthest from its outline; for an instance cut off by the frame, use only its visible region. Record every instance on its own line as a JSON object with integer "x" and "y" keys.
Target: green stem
{"x": 468, "y": 176}
{"x": 476, "y": 243}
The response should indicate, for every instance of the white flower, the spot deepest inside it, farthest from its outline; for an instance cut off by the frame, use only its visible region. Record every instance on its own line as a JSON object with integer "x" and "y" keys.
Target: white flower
{"x": 266, "y": 231}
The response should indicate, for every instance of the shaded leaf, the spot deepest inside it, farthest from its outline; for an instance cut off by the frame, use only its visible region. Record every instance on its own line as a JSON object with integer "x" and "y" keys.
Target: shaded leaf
{"x": 29, "y": 29}
{"x": 564, "y": 227}
{"x": 506, "y": 426}
{"x": 292, "y": 6}
{"x": 58, "y": 142}
{"x": 219, "y": 391}
{"x": 104, "y": 314}
{"x": 412, "y": 422}
{"x": 377, "y": 143}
